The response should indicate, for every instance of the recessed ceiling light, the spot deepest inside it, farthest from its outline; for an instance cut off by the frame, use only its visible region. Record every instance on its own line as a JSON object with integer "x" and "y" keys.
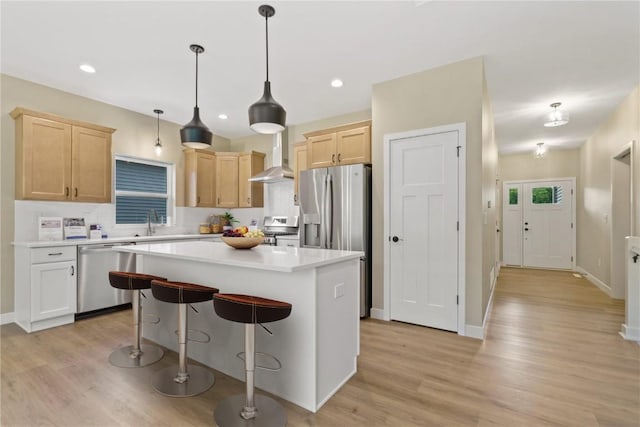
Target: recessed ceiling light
{"x": 223, "y": 116}
{"x": 87, "y": 68}
{"x": 336, "y": 83}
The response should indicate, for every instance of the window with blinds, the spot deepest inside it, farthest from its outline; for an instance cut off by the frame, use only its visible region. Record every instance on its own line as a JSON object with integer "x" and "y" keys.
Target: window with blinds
{"x": 141, "y": 188}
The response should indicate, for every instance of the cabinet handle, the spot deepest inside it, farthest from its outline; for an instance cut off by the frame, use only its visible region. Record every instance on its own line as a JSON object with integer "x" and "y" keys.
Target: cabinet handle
{"x": 66, "y": 191}
{"x": 248, "y": 200}
{"x": 339, "y": 154}
{"x": 218, "y": 200}
{"x": 73, "y": 270}
{"x": 198, "y": 200}
{"x": 75, "y": 192}
{"x": 295, "y": 197}
{"x": 55, "y": 254}
{"x": 333, "y": 158}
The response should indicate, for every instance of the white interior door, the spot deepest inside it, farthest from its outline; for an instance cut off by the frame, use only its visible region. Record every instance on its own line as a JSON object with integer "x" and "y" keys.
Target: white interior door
{"x": 548, "y": 224}
{"x": 423, "y": 215}
{"x": 512, "y": 223}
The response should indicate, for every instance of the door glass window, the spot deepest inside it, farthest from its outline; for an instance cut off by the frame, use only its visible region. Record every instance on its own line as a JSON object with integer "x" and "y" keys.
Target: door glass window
{"x": 513, "y": 196}
{"x": 546, "y": 195}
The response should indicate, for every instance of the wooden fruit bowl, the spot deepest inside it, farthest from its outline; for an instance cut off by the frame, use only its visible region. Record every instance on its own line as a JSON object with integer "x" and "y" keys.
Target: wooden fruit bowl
{"x": 242, "y": 242}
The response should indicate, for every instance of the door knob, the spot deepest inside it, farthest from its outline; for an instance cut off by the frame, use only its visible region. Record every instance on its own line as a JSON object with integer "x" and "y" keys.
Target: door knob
{"x": 395, "y": 239}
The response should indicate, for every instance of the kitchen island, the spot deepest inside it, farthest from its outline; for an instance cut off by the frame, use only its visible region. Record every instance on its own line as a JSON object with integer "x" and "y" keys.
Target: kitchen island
{"x": 317, "y": 344}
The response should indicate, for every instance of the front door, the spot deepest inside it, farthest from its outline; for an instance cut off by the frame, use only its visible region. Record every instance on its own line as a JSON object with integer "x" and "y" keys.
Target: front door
{"x": 547, "y": 224}
{"x": 423, "y": 215}
{"x": 538, "y": 226}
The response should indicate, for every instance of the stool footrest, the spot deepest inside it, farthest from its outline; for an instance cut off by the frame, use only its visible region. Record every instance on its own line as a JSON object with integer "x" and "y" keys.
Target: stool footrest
{"x": 155, "y": 319}
{"x": 267, "y": 356}
{"x": 269, "y": 413}
{"x": 198, "y": 331}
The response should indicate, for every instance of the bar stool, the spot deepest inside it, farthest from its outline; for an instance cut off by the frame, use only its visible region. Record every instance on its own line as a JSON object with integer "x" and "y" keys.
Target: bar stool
{"x": 138, "y": 354}
{"x": 249, "y": 409}
{"x": 196, "y": 379}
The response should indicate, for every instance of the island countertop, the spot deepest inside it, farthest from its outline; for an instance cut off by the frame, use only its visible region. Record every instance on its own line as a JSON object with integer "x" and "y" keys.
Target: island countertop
{"x": 262, "y": 257}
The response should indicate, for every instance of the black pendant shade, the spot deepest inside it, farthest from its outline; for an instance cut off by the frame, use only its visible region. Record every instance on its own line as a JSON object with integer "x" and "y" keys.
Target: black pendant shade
{"x": 196, "y": 134}
{"x": 266, "y": 115}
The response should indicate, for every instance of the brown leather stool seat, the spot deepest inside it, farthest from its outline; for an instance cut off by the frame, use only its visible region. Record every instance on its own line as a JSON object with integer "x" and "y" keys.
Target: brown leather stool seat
{"x": 180, "y": 292}
{"x": 250, "y": 409}
{"x": 131, "y": 281}
{"x": 138, "y": 354}
{"x": 250, "y": 309}
{"x": 183, "y": 380}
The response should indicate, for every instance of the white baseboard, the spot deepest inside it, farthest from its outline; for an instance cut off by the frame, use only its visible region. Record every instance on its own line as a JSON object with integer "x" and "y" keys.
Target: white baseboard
{"x": 377, "y": 313}
{"x": 630, "y": 334}
{"x": 593, "y": 279}
{"x": 473, "y": 331}
{"x": 7, "y": 318}
{"x": 479, "y": 332}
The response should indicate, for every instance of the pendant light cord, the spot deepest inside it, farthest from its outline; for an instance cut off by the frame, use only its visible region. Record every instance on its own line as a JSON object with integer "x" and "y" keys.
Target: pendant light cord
{"x": 266, "y": 30}
{"x": 196, "y": 79}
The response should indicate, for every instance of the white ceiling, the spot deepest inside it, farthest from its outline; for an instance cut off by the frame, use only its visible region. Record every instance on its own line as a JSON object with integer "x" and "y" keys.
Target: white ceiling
{"x": 585, "y": 54}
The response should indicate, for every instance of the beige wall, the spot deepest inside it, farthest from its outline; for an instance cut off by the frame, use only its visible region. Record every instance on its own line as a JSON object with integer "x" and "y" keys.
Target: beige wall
{"x": 135, "y": 136}
{"x": 441, "y": 96}
{"x": 595, "y": 182}
{"x": 490, "y": 244}
{"x": 556, "y": 164}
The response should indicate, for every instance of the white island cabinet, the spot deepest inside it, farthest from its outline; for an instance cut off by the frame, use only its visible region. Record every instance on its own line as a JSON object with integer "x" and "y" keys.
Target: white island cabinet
{"x": 317, "y": 344}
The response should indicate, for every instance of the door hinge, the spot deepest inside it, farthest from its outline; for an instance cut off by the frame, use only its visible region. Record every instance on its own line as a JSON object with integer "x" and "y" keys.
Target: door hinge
{"x": 572, "y": 258}
{"x": 457, "y": 300}
{"x": 572, "y": 191}
{"x": 457, "y": 225}
{"x": 571, "y": 225}
{"x": 458, "y": 150}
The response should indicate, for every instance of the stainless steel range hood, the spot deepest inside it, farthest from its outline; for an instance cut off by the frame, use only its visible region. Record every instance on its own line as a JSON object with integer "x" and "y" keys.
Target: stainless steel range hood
{"x": 278, "y": 172}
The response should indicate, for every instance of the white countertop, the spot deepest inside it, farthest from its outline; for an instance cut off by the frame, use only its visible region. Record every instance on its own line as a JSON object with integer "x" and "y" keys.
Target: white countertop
{"x": 76, "y": 242}
{"x": 262, "y": 257}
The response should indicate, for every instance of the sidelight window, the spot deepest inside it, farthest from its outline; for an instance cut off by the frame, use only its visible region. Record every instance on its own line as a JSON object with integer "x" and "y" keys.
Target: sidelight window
{"x": 140, "y": 187}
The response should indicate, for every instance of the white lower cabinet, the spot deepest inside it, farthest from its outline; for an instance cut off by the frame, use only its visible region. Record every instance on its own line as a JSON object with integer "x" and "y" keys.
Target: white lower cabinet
{"x": 46, "y": 287}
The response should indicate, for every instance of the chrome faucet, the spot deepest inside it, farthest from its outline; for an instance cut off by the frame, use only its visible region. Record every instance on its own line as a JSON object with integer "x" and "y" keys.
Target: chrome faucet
{"x": 152, "y": 218}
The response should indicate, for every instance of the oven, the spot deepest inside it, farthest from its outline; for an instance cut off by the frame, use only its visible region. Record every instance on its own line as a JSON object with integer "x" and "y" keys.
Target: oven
{"x": 278, "y": 226}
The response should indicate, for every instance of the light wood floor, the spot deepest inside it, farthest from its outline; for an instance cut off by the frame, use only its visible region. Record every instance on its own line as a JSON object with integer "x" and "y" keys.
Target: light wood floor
{"x": 552, "y": 357}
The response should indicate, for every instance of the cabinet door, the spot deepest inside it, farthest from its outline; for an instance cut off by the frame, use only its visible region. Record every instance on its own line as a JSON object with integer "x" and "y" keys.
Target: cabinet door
{"x": 226, "y": 180}
{"x": 250, "y": 194}
{"x": 354, "y": 146}
{"x": 90, "y": 165}
{"x": 53, "y": 289}
{"x": 205, "y": 180}
{"x": 300, "y": 164}
{"x": 43, "y": 171}
{"x": 321, "y": 151}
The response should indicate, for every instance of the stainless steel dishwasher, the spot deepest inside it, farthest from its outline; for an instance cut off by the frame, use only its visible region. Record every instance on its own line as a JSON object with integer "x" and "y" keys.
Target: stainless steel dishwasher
{"x": 94, "y": 264}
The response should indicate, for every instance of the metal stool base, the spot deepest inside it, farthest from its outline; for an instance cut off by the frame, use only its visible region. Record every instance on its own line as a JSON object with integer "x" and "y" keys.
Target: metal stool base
{"x": 200, "y": 380}
{"x": 270, "y": 413}
{"x": 122, "y": 356}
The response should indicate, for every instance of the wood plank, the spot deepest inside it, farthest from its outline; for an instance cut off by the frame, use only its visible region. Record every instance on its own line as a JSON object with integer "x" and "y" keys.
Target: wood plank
{"x": 552, "y": 356}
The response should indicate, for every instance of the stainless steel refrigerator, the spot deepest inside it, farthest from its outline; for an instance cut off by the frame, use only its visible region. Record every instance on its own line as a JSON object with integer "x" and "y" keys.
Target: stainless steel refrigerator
{"x": 335, "y": 204}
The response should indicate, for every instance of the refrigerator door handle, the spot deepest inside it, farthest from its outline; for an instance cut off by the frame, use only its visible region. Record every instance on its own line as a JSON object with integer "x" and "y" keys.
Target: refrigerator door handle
{"x": 328, "y": 203}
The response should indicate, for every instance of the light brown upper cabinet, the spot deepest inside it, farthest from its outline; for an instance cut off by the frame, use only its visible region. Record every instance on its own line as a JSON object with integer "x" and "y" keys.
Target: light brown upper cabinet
{"x": 299, "y": 164}
{"x": 250, "y": 194}
{"x": 200, "y": 174}
{"x": 227, "y": 180}
{"x": 61, "y": 159}
{"x": 342, "y": 145}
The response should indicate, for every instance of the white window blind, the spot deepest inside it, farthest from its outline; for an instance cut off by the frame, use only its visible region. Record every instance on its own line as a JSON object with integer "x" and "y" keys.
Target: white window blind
{"x": 141, "y": 186}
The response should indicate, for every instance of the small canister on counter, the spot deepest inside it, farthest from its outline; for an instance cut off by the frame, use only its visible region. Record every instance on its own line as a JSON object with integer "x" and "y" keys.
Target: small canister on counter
{"x": 204, "y": 229}
{"x": 214, "y": 221}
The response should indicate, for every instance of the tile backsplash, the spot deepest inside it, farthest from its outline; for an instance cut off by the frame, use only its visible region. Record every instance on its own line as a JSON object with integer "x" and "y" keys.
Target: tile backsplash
{"x": 186, "y": 221}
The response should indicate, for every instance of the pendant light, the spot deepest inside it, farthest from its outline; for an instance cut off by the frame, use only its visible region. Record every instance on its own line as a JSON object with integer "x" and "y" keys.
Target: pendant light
{"x": 266, "y": 115}
{"x": 196, "y": 134}
{"x": 158, "y": 145}
{"x": 541, "y": 151}
{"x": 556, "y": 117}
